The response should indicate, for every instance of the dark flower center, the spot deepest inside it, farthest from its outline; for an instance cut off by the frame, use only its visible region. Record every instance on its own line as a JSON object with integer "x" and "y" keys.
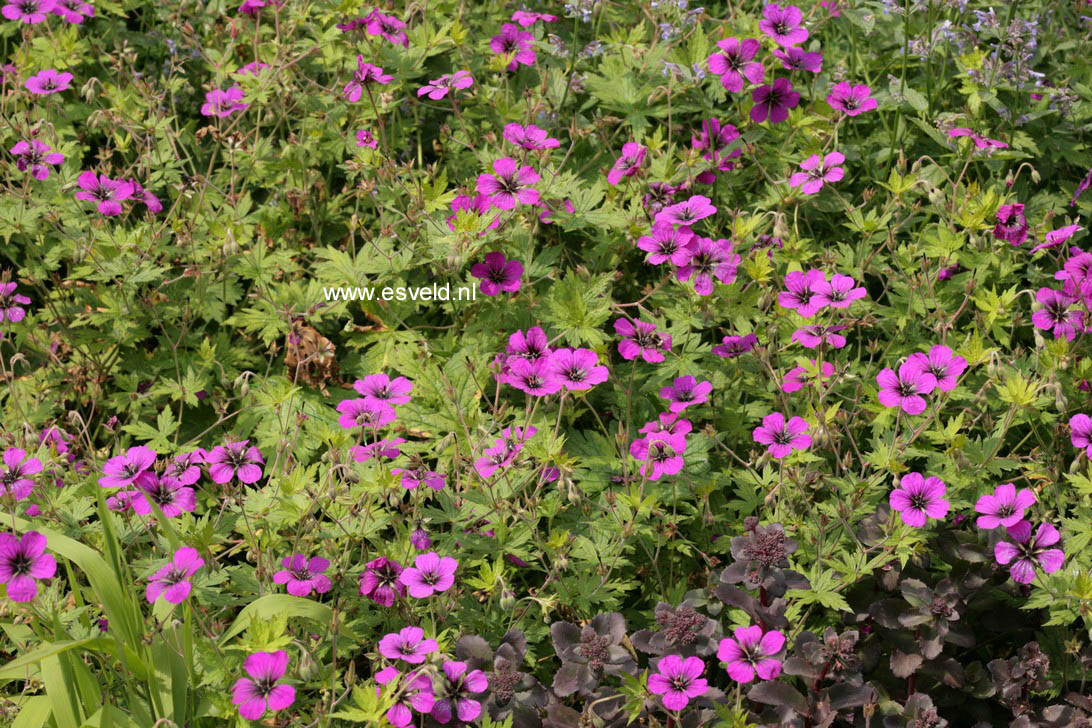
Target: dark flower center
{"x": 705, "y": 261}
{"x": 508, "y": 184}
{"x": 659, "y": 452}
{"x": 687, "y": 214}
{"x": 239, "y": 458}
{"x": 680, "y": 683}
{"x": 176, "y": 575}
{"x": 161, "y": 494}
{"x": 906, "y": 389}
{"x": 646, "y": 340}
{"x": 264, "y": 685}
{"x": 20, "y": 564}
{"x": 575, "y": 374}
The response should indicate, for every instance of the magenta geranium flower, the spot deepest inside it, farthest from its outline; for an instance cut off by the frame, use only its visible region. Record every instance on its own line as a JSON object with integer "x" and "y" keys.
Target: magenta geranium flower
{"x": 150, "y": 201}
{"x": 408, "y": 644}
{"x": 514, "y": 43}
{"x": 108, "y": 193}
{"x": 439, "y": 88}
{"x": 11, "y": 303}
{"x": 123, "y": 470}
{"x": 577, "y": 369}
{"x": 381, "y": 449}
{"x": 430, "y": 574}
{"x": 641, "y": 339}
{"x": 388, "y": 27}
{"x": 802, "y": 292}
{"x": 839, "y": 292}
{"x": 715, "y": 138}
{"x": 413, "y": 477}
{"x": 29, "y": 12}
{"x": 678, "y": 680}
{"x": 302, "y": 575}
{"x": 752, "y": 653}
{"x": 980, "y": 142}
{"x": 1057, "y": 237}
{"x": 798, "y": 377}
{"x": 16, "y": 467}
{"x": 1057, "y": 314}
{"x": 33, "y": 155}
{"x": 172, "y": 497}
{"x": 731, "y": 346}
{"x": 1005, "y": 507}
{"x": 366, "y": 75}
{"x": 173, "y": 580}
{"x": 817, "y": 171}
{"x": 381, "y": 581}
{"x": 262, "y": 692}
{"x": 709, "y": 259}
{"x": 782, "y": 437}
{"x": 533, "y": 377}
{"x": 478, "y": 204}
{"x": 943, "y": 364}
{"x": 1030, "y": 551}
{"x": 365, "y": 138}
{"x": 254, "y": 68}
{"x": 48, "y": 81}
{"x": 627, "y": 165}
{"x": 527, "y": 19}
{"x": 454, "y": 691}
{"x": 919, "y": 498}
{"x": 685, "y": 392}
{"x": 773, "y": 101}
{"x": 364, "y": 412}
{"x": 531, "y": 346}
{"x": 797, "y": 59}
{"x": 851, "y": 100}
{"x": 23, "y": 561}
{"x": 1080, "y": 433}
{"x": 498, "y": 274}
{"x": 415, "y": 695}
{"x": 379, "y": 388}
{"x": 420, "y": 539}
{"x": 686, "y": 213}
{"x": 530, "y": 137}
{"x": 186, "y": 468}
{"x": 235, "y": 460}
{"x": 1011, "y": 226}
{"x": 905, "y": 389}
{"x": 783, "y": 24}
{"x": 223, "y": 102}
{"x": 812, "y": 336}
{"x": 735, "y": 63}
{"x": 667, "y": 243}
{"x": 510, "y": 184}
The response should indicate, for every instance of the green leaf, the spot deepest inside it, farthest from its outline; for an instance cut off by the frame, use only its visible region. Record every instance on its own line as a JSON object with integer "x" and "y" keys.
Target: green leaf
{"x": 274, "y": 604}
